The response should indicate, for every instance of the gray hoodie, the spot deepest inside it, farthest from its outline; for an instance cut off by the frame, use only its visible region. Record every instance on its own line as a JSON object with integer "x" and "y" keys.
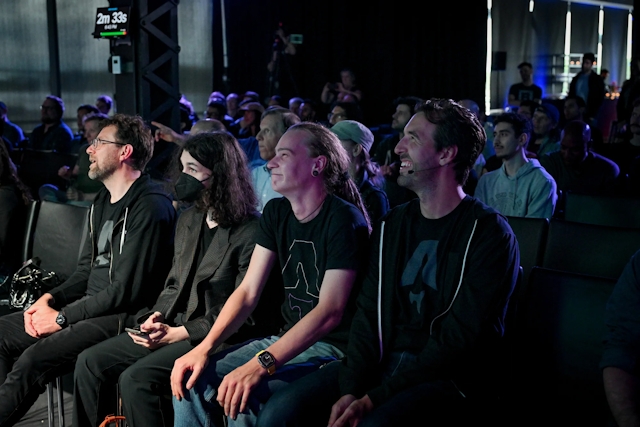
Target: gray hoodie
{"x": 530, "y": 193}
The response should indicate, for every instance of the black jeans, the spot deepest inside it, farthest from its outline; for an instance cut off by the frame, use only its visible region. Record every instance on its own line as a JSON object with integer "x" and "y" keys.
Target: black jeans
{"x": 143, "y": 377}
{"x": 307, "y": 402}
{"x": 27, "y": 364}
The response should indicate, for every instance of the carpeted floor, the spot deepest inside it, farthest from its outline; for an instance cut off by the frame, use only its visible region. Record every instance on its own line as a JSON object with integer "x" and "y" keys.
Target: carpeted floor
{"x": 38, "y": 414}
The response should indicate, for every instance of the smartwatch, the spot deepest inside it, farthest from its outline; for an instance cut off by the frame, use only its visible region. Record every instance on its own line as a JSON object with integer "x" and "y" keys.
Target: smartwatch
{"x": 61, "y": 319}
{"x": 267, "y": 361}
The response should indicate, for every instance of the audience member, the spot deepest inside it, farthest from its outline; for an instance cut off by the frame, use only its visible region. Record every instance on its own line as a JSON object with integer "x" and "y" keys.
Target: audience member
{"x": 217, "y": 110}
{"x": 385, "y": 155}
{"x": 621, "y": 347}
{"x": 82, "y": 111}
{"x": 275, "y": 100}
{"x": 624, "y": 153}
{"x": 317, "y": 232}
{"x": 294, "y": 104}
{"x": 250, "y": 96}
{"x": 588, "y": 85}
{"x": 53, "y": 133}
{"x": 104, "y": 104}
{"x": 12, "y": 132}
{"x": 188, "y": 114}
{"x": 81, "y": 190}
{"x": 629, "y": 92}
{"x": 521, "y": 187}
{"x": 202, "y": 277}
{"x": 204, "y": 125}
{"x": 273, "y": 124}
{"x": 576, "y": 168}
{"x": 545, "y": 133}
{"x": 574, "y": 108}
{"x": 249, "y": 124}
{"x": 608, "y": 88}
{"x": 488, "y": 128}
{"x": 335, "y": 92}
{"x": 526, "y": 90}
{"x": 357, "y": 139}
{"x": 119, "y": 276}
{"x": 14, "y": 199}
{"x": 527, "y": 108}
{"x": 427, "y": 338}
{"x": 308, "y": 110}
{"x": 233, "y": 111}
{"x": 216, "y": 95}
{"x": 344, "y": 111}
{"x": 79, "y": 138}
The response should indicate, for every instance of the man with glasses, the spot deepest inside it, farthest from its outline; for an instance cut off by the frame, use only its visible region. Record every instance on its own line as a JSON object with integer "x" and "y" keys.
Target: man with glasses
{"x": 120, "y": 273}
{"x": 53, "y": 133}
{"x": 344, "y": 111}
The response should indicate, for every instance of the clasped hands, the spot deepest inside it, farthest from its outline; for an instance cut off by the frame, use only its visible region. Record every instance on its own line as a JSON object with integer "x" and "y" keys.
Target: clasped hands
{"x": 40, "y": 318}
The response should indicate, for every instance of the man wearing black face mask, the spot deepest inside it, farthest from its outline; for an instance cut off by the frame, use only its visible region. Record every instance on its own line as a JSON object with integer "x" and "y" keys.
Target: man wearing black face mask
{"x": 213, "y": 246}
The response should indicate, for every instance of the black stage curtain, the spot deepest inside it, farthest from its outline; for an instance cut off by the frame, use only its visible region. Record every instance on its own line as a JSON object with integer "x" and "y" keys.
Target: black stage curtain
{"x": 395, "y": 49}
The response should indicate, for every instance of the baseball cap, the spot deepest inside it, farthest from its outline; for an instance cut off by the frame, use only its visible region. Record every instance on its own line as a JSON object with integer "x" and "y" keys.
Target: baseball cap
{"x": 354, "y": 131}
{"x": 253, "y": 106}
{"x": 550, "y": 110}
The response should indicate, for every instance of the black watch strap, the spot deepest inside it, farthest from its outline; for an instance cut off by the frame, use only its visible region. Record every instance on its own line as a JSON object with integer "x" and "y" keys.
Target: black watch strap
{"x": 61, "y": 320}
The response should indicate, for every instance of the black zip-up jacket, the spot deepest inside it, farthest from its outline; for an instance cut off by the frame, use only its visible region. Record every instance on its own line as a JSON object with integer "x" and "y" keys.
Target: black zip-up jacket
{"x": 141, "y": 254}
{"x": 478, "y": 274}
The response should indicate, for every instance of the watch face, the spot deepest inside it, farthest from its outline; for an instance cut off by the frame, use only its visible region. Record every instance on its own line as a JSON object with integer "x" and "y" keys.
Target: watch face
{"x": 60, "y": 319}
{"x": 266, "y": 359}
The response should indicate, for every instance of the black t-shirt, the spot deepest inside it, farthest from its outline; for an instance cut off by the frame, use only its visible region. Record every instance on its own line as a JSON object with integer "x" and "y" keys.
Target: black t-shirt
{"x": 418, "y": 292}
{"x": 335, "y": 239}
{"x": 99, "y": 278}
{"x": 526, "y": 93}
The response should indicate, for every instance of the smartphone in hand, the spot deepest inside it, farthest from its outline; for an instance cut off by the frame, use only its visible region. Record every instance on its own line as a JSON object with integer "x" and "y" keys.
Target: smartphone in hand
{"x": 135, "y": 331}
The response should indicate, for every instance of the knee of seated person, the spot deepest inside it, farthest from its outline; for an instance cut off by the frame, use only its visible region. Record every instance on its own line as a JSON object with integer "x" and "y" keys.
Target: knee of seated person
{"x": 87, "y": 364}
{"x": 130, "y": 379}
{"x": 280, "y": 411}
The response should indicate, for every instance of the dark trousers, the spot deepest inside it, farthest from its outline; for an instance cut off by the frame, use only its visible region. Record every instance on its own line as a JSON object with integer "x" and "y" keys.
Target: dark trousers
{"x": 142, "y": 375}
{"x": 27, "y": 364}
{"x": 307, "y": 402}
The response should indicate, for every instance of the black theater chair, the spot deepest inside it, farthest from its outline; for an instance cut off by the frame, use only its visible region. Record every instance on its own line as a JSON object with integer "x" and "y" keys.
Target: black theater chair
{"x": 596, "y": 250}
{"x": 557, "y": 380}
{"x": 611, "y": 210}
{"x": 55, "y": 233}
{"x": 532, "y": 237}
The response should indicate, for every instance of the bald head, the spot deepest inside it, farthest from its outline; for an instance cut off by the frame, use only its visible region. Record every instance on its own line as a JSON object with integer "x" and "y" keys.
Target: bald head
{"x": 206, "y": 125}
{"x": 577, "y": 130}
{"x": 574, "y": 145}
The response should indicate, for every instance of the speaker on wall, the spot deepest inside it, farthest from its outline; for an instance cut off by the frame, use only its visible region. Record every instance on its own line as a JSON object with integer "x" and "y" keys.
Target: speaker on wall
{"x": 499, "y": 61}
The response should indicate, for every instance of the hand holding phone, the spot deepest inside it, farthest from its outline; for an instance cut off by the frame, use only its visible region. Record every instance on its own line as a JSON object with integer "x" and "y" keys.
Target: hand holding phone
{"x": 136, "y": 331}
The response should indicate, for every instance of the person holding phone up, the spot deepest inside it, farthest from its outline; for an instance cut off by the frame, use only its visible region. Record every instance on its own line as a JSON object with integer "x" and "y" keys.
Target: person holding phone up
{"x": 213, "y": 245}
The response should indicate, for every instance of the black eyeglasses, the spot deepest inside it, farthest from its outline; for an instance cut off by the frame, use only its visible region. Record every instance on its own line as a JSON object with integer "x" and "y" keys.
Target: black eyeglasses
{"x": 336, "y": 115}
{"x": 47, "y": 108}
{"x": 97, "y": 142}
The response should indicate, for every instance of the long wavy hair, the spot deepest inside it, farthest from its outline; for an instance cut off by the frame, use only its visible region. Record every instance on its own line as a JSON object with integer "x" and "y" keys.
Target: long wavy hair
{"x": 9, "y": 174}
{"x": 231, "y": 198}
{"x": 336, "y": 176}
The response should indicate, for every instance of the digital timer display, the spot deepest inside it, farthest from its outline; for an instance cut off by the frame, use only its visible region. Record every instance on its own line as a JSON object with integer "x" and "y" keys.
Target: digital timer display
{"x": 112, "y": 22}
